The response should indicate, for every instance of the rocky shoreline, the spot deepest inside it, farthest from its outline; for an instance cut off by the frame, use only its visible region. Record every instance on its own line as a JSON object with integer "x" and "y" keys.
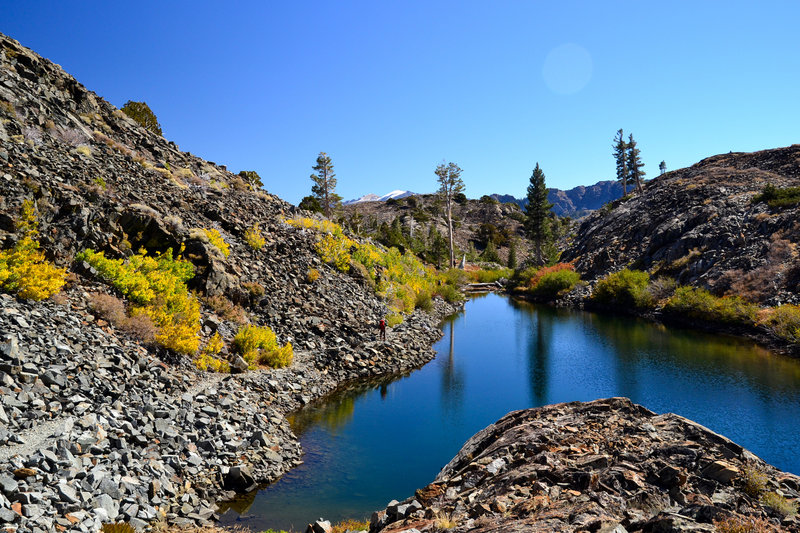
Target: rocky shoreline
{"x": 602, "y": 466}
{"x": 96, "y": 429}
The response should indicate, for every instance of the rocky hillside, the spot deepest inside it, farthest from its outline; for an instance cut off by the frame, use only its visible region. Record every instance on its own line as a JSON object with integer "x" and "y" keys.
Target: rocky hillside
{"x": 701, "y": 226}
{"x": 607, "y": 466}
{"x": 96, "y": 422}
{"x": 575, "y": 202}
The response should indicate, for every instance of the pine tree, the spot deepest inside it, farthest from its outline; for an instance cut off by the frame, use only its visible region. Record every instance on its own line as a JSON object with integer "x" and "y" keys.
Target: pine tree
{"x": 662, "y": 167}
{"x": 252, "y": 178}
{"x": 635, "y": 164}
{"x": 512, "y": 254}
{"x": 621, "y": 157}
{"x": 141, "y": 113}
{"x": 537, "y": 223}
{"x": 324, "y": 187}
{"x": 437, "y": 245}
{"x": 450, "y": 184}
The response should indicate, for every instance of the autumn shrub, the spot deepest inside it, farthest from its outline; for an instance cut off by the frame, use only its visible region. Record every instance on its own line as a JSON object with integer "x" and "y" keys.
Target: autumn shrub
{"x": 624, "y": 289}
{"x": 259, "y": 345}
{"x": 156, "y": 286}
{"x": 350, "y": 525}
{"x": 108, "y": 307}
{"x": 253, "y": 237}
{"x": 553, "y": 284}
{"x": 742, "y": 524}
{"x": 780, "y": 504}
{"x": 394, "y": 319}
{"x": 254, "y": 289}
{"x": 216, "y": 240}
{"x": 335, "y": 249}
{"x": 206, "y": 359}
{"x": 661, "y": 288}
{"x": 312, "y": 275}
{"x": 754, "y": 481}
{"x": 23, "y": 268}
{"x": 226, "y": 309}
{"x": 400, "y": 278}
{"x": 784, "y": 321}
{"x": 699, "y": 304}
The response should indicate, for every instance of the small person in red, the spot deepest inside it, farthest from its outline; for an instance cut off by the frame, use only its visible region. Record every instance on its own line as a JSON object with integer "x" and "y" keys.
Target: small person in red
{"x": 382, "y": 326}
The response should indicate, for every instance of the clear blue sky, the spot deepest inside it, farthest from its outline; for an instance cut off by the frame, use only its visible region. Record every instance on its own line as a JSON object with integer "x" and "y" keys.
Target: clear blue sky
{"x": 390, "y": 89}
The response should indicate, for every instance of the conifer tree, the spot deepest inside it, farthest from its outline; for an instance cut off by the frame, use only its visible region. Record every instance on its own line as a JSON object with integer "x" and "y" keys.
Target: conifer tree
{"x": 621, "y": 157}
{"x": 512, "y": 254}
{"x": 324, "y": 187}
{"x": 450, "y": 184}
{"x": 662, "y": 167}
{"x": 635, "y": 164}
{"x": 537, "y": 223}
{"x": 141, "y": 113}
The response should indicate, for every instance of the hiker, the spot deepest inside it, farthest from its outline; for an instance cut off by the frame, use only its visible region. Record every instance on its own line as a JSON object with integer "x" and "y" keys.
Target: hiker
{"x": 382, "y": 326}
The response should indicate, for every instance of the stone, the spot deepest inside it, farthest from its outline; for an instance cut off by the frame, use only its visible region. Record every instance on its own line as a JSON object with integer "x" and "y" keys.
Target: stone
{"x": 721, "y": 471}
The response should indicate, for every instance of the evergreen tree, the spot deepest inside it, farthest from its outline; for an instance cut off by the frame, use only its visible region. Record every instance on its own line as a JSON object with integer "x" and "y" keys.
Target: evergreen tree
{"x": 662, "y": 167}
{"x": 437, "y": 245}
{"x": 324, "y": 187}
{"x": 537, "y": 223}
{"x": 141, "y": 113}
{"x": 635, "y": 164}
{"x": 621, "y": 157}
{"x": 490, "y": 253}
{"x": 310, "y": 203}
{"x": 252, "y": 178}
{"x": 450, "y": 185}
{"x": 512, "y": 254}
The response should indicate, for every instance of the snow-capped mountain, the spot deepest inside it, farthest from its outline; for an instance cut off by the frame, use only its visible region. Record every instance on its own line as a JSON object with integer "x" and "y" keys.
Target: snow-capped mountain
{"x": 375, "y": 198}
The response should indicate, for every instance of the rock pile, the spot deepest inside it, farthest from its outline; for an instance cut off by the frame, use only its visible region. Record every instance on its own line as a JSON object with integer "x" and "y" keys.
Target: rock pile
{"x": 603, "y": 466}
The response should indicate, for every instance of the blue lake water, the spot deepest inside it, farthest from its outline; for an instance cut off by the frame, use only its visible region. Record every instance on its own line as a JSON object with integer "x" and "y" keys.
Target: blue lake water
{"x": 380, "y": 441}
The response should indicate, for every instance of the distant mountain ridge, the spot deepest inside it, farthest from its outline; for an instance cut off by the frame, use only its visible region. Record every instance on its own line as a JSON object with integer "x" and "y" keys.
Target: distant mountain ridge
{"x": 375, "y": 198}
{"x": 574, "y": 202}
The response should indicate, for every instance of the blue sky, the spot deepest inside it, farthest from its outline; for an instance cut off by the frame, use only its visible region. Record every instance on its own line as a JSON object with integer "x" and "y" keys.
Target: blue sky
{"x": 390, "y": 89}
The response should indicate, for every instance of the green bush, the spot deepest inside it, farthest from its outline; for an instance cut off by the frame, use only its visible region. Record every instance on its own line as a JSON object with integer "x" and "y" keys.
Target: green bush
{"x": 699, "y": 304}
{"x": 553, "y": 284}
{"x": 490, "y": 276}
{"x": 775, "y": 197}
{"x": 626, "y": 288}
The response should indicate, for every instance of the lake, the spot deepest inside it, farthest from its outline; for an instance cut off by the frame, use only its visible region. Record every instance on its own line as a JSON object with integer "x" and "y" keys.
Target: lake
{"x": 382, "y": 440}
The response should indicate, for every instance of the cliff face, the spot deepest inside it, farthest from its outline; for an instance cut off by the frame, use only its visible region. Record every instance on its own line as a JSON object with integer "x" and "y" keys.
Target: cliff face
{"x": 701, "y": 226}
{"x": 606, "y": 465}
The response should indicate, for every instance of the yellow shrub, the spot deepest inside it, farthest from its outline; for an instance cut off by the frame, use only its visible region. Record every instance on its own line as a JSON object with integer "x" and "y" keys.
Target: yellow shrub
{"x": 24, "y": 269}
{"x": 323, "y": 226}
{"x": 312, "y": 275}
{"x": 253, "y": 238}
{"x": 84, "y": 150}
{"x": 393, "y": 319}
{"x": 335, "y": 249}
{"x": 215, "y": 238}
{"x": 157, "y": 285}
{"x": 206, "y": 359}
{"x": 259, "y": 345}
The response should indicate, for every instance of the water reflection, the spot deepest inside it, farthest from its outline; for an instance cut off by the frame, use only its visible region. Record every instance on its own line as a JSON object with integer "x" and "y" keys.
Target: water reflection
{"x": 380, "y": 440}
